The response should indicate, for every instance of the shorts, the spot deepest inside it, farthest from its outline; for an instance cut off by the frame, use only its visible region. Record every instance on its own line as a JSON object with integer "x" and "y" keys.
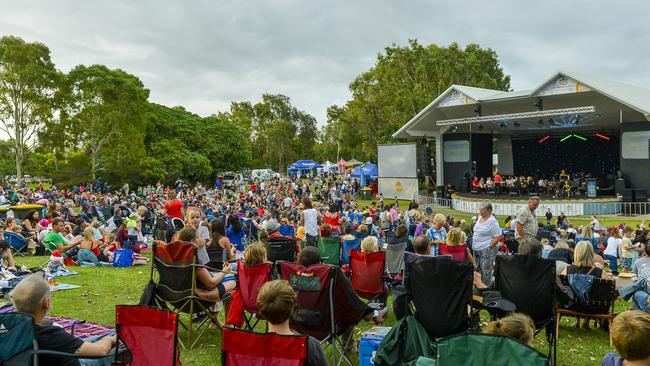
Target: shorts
{"x": 626, "y": 263}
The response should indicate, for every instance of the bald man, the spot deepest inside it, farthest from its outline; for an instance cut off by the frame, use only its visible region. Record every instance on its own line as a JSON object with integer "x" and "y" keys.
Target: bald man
{"x": 32, "y": 296}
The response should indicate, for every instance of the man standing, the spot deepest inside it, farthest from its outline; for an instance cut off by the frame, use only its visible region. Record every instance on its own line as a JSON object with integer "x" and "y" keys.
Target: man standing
{"x": 549, "y": 216}
{"x": 526, "y": 221}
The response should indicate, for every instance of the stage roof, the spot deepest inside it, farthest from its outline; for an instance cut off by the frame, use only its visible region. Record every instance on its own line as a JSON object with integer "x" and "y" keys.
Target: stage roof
{"x": 566, "y": 98}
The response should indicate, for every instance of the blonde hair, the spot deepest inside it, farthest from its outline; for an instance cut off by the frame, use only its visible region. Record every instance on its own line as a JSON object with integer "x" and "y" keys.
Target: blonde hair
{"x": 439, "y": 218}
{"x": 545, "y": 241}
{"x": 192, "y": 210}
{"x": 562, "y": 245}
{"x": 369, "y": 245}
{"x": 583, "y": 255}
{"x": 255, "y": 254}
{"x": 455, "y": 237}
{"x": 518, "y": 326}
{"x": 89, "y": 234}
{"x": 630, "y": 333}
{"x": 362, "y": 228}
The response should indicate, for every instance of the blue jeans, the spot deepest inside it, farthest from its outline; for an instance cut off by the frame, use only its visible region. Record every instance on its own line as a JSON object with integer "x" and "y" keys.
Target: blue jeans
{"x": 640, "y": 301}
{"x": 104, "y": 361}
{"x": 613, "y": 262}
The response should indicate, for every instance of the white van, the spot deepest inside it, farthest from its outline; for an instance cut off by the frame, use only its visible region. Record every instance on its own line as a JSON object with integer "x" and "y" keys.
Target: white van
{"x": 263, "y": 174}
{"x": 231, "y": 179}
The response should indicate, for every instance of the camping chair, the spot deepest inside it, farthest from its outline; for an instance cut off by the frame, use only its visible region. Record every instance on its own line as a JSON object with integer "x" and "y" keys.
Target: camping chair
{"x": 19, "y": 345}
{"x": 395, "y": 258}
{"x": 150, "y": 335}
{"x": 449, "y": 283}
{"x": 602, "y": 296}
{"x": 17, "y": 242}
{"x": 348, "y": 245}
{"x": 457, "y": 252}
{"x": 240, "y": 347}
{"x": 529, "y": 282}
{"x": 326, "y": 305}
{"x": 480, "y": 349}
{"x": 281, "y": 249}
{"x": 330, "y": 250}
{"x": 368, "y": 274}
{"x": 174, "y": 275}
{"x": 251, "y": 279}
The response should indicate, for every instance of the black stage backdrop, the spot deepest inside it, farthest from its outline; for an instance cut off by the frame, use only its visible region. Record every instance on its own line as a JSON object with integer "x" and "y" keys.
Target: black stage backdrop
{"x": 545, "y": 160}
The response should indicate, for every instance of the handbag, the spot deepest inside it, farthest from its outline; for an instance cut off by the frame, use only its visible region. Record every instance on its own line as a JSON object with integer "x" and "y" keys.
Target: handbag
{"x": 581, "y": 284}
{"x": 123, "y": 258}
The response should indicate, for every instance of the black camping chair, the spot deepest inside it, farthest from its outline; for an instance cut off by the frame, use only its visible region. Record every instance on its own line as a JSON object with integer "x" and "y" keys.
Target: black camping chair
{"x": 281, "y": 249}
{"x": 174, "y": 274}
{"x": 529, "y": 282}
{"x": 446, "y": 281}
{"x": 19, "y": 345}
{"x": 327, "y": 305}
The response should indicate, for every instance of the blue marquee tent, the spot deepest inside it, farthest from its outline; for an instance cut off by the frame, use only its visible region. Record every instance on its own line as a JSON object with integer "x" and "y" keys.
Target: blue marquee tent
{"x": 302, "y": 167}
{"x": 365, "y": 171}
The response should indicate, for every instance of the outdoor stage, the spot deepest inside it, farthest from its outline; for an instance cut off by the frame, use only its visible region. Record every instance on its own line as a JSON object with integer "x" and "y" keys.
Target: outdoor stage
{"x": 589, "y": 127}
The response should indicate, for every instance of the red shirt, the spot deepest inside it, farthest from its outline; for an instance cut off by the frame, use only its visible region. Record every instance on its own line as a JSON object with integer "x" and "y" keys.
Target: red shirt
{"x": 475, "y": 182}
{"x": 497, "y": 179}
{"x": 174, "y": 208}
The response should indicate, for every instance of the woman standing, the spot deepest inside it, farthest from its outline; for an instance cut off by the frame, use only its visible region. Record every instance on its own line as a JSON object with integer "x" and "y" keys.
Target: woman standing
{"x": 309, "y": 220}
{"x": 487, "y": 235}
{"x": 219, "y": 249}
{"x": 611, "y": 252}
{"x": 235, "y": 231}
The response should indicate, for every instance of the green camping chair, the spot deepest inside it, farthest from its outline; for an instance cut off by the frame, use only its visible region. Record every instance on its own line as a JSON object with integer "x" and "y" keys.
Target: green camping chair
{"x": 330, "y": 250}
{"x": 483, "y": 349}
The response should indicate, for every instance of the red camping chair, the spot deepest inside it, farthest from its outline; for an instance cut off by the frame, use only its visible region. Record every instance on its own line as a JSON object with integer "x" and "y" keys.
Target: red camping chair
{"x": 457, "y": 252}
{"x": 327, "y": 305}
{"x": 243, "y": 348}
{"x": 149, "y": 334}
{"x": 251, "y": 280}
{"x": 368, "y": 273}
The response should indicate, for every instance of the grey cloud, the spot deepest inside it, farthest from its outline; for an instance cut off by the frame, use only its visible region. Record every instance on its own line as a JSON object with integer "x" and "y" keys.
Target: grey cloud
{"x": 205, "y": 54}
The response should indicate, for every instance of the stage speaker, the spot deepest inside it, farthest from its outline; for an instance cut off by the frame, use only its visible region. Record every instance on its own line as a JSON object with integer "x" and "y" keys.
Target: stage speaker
{"x": 423, "y": 153}
{"x": 628, "y": 195}
{"x": 620, "y": 186}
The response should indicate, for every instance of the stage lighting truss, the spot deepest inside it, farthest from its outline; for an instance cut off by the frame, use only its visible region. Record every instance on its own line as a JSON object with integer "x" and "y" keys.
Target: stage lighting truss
{"x": 518, "y": 116}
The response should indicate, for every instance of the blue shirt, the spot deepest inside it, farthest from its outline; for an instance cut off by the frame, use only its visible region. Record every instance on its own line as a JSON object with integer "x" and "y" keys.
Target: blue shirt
{"x": 433, "y": 234}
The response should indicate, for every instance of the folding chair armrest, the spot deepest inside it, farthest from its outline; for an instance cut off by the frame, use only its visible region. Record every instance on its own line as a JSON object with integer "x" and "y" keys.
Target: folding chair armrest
{"x": 69, "y": 355}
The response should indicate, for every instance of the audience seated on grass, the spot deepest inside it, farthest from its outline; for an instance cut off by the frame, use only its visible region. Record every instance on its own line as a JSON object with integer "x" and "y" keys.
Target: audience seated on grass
{"x": 6, "y": 257}
{"x": 32, "y": 296}
{"x": 630, "y": 334}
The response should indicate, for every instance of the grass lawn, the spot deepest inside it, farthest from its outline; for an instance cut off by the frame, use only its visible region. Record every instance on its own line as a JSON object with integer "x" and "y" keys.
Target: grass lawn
{"x": 103, "y": 288}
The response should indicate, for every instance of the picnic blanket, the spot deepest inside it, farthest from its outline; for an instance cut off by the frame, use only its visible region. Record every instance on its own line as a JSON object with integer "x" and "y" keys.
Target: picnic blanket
{"x": 62, "y": 273}
{"x": 62, "y": 286}
{"x": 82, "y": 329}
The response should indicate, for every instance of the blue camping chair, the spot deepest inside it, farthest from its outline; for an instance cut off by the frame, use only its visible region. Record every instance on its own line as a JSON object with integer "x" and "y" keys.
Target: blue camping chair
{"x": 17, "y": 242}
{"x": 359, "y": 218}
{"x": 348, "y": 245}
{"x": 287, "y": 230}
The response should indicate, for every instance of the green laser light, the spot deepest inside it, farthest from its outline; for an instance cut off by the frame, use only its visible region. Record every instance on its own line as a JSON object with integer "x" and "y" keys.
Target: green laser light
{"x": 565, "y": 138}
{"x": 580, "y": 137}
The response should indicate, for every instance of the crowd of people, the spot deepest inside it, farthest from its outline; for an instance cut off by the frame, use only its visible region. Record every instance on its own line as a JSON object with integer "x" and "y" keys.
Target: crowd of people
{"x": 86, "y": 226}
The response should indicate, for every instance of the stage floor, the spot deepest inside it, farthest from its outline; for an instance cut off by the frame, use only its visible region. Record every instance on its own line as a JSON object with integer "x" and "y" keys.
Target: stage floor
{"x": 505, "y": 198}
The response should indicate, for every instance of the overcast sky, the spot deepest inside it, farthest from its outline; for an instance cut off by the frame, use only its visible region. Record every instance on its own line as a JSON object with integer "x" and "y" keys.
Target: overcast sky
{"x": 204, "y": 54}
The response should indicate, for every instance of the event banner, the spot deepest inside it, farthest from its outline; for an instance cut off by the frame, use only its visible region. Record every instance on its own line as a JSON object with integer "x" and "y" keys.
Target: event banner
{"x": 402, "y": 188}
{"x": 505, "y": 209}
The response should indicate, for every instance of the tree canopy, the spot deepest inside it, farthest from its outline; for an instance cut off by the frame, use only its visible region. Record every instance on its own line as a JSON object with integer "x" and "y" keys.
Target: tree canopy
{"x": 97, "y": 123}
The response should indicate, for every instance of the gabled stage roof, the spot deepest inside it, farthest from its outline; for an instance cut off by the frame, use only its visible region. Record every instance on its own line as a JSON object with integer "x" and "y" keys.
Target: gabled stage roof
{"x": 614, "y": 103}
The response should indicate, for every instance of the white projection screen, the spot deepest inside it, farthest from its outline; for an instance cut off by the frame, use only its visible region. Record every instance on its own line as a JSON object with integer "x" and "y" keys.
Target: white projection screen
{"x": 397, "y": 161}
{"x": 397, "y": 165}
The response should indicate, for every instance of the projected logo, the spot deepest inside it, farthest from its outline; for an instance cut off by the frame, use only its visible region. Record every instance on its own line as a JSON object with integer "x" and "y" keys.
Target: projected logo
{"x": 399, "y": 187}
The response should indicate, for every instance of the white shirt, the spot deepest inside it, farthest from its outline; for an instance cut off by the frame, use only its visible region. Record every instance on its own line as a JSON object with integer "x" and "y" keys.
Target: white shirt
{"x": 484, "y": 232}
{"x": 311, "y": 221}
{"x": 612, "y": 246}
{"x": 287, "y": 202}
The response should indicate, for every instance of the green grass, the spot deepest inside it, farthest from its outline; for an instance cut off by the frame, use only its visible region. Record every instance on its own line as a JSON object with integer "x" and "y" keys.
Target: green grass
{"x": 103, "y": 288}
